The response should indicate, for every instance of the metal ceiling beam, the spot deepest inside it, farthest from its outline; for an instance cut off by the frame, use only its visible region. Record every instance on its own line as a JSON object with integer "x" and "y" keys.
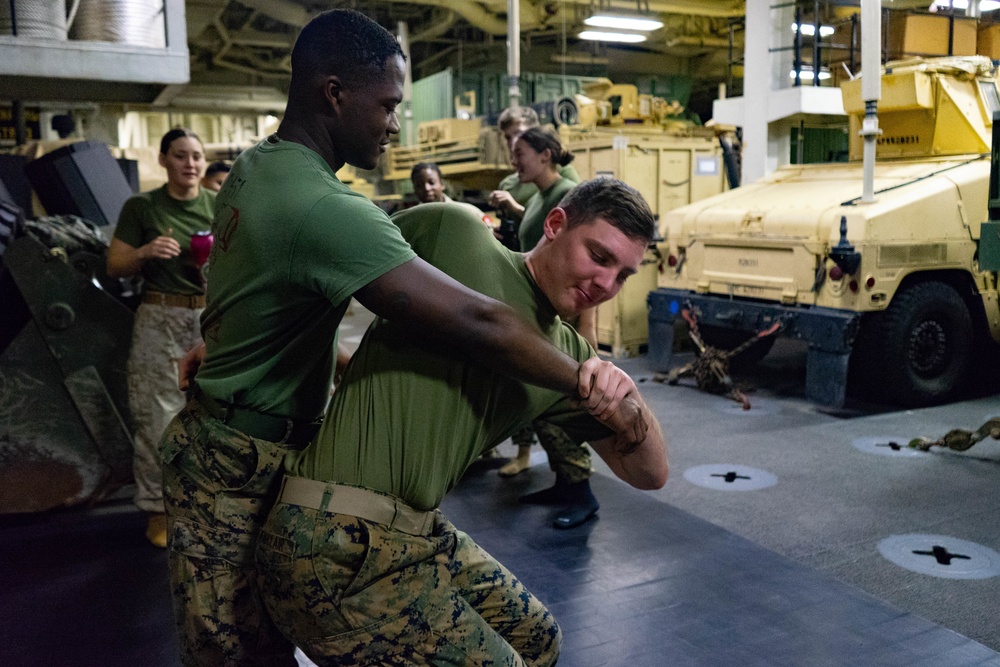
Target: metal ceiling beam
{"x": 490, "y": 16}
{"x": 716, "y": 8}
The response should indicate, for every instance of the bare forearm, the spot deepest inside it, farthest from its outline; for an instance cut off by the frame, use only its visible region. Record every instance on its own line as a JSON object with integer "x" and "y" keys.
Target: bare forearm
{"x": 487, "y": 331}
{"x": 124, "y": 261}
{"x": 496, "y": 336}
{"x": 644, "y": 467}
{"x": 499, "y": 338}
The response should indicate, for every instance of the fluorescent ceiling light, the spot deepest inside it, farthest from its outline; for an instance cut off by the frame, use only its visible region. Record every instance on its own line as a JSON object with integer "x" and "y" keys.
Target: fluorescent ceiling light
{"x": 807, "y": 75}
{"x": 600, "y": 36}
{"x": 984, "y": 5}
{"x": 809, "y": 29}
{"x": 623, "y": 22}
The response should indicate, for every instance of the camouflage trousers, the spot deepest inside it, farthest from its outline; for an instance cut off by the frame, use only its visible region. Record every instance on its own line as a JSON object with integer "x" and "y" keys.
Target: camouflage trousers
{"x": 160, "y": 337}
{"x": 568, "y": 459}
{"x": 218, "y": 487}
{"x": 353, "y": 593}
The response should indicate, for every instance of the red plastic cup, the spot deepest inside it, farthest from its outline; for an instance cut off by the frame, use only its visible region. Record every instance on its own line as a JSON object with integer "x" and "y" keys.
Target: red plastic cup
{"x": 201, "y": 246}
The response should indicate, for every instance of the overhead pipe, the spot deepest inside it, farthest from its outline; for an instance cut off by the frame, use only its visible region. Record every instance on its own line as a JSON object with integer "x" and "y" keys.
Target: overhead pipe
{"x": 691, "y": 40}
{"x": 436, "y": 28}
{"x": 485, "y": 16}
{"x": 715, "y": 9}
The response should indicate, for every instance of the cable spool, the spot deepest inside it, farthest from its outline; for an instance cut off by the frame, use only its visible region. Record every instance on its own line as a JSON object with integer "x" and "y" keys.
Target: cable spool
{"x": 135, "y": 22}
{"x": 42, "y": 19}
{"x": 565, "y": 112}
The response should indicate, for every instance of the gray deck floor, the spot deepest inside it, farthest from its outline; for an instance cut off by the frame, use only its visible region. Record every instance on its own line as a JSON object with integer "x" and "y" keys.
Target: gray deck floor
{"x": 784, "y": 575}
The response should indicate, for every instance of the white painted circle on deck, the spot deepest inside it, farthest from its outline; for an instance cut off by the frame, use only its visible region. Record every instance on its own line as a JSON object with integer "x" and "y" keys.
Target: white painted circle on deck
{"x": 941, "y": 556}
{"x": 888, "y": 445}
{"x": 729, "y": 477}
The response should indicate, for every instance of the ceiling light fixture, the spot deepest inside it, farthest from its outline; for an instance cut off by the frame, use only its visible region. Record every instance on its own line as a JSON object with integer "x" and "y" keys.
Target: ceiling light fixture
{"x": 623, "y": 22}
{"x": 984, "y": 5}
{"x": 622, "y": 37}
{"x": 807, "y": 75}
{"x": 809, "y": 29}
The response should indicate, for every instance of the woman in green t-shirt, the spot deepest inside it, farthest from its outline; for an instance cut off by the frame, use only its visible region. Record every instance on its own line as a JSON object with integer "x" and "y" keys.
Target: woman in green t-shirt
{"x": 537, "y": 155}
{"x": 153, "y": 238}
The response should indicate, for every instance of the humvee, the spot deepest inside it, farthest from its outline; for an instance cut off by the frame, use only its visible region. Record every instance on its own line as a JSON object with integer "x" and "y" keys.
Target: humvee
{"x": 896, "y": 292}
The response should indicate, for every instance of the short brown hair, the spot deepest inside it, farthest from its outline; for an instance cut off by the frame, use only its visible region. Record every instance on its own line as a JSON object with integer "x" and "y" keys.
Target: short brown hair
{"x": 512, "y": 116}
{"x": 610, "y": 199}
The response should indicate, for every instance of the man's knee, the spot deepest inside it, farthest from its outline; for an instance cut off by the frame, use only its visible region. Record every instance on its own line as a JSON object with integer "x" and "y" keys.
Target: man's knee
{"x": 550, "y": 646}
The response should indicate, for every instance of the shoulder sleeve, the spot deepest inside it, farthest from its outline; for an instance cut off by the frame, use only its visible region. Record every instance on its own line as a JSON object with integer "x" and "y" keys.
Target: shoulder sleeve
{"x": 568, "y": 171}
{"x": 344, "y": 243}
{"x": 129, "y": 227}
{"x": 508, "y": 182}
{"x": 575, "y": 421}
{"x": 438, "y": 231}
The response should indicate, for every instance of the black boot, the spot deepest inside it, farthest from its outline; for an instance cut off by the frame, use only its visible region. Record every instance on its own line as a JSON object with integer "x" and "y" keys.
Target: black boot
{"x": 582, "y": 505}
{"x": 557, "y": 494}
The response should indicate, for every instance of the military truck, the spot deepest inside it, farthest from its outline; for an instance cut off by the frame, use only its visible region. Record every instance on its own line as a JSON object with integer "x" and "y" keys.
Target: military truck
{"x": 897, "y": 292}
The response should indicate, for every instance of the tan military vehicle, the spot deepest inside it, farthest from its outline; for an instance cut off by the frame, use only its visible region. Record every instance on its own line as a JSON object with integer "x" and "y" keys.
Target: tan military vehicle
{"x": 895, "y": 287}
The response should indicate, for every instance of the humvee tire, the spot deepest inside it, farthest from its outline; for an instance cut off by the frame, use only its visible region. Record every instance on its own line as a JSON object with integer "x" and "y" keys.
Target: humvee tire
{"x": 925, "y": 340}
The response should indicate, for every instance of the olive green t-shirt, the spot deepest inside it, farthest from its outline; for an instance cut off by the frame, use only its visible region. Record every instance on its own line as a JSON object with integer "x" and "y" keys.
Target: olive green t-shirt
{"x": 292, "y": 244}
{"x": 411, "y": 415}
{"x": 155, "y": 213}
{"x": 533, "y": 223}
{"x": 522, "y": 192}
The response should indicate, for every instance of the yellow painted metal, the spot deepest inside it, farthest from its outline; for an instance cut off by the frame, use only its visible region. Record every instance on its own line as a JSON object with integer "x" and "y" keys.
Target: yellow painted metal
{"x": 669, "y": 171}
{"x": 925, "y": 110}
{"x": 770, "y": 240}
{"x": 623, "y": 322}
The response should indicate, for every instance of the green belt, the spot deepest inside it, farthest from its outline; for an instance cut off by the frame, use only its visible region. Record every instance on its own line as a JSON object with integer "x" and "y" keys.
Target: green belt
{"x": 281, "y": 430}
{"x": 356, "y": 501}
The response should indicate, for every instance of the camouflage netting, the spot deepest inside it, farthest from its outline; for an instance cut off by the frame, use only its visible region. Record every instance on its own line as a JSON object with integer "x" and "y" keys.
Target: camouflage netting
{"x": 69, "y": 232}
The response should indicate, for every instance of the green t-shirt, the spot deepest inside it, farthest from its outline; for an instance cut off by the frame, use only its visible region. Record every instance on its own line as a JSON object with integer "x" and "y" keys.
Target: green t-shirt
{"x": 411, "y": 415}
{"x": 522, "y": 192}
{"x": 152, "y": 214}
{"x": 533, "y": 223}
{"x": 292, "y": 244}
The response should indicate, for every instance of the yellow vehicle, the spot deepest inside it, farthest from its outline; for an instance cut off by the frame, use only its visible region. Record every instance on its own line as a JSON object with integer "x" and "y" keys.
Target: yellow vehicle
{"x": 895, "y": 290}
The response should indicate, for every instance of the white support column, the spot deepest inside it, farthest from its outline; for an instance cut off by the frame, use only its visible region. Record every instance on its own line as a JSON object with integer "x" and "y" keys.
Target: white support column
{"x": 514, "y": 52}
{"x": 404, "y": 43}
{"x": 756, "y": 89}
{"x": 779, "y": 143}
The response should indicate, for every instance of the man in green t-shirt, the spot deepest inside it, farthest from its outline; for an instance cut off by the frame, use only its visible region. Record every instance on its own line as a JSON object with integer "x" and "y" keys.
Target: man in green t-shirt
{"x": 292, "y": 245}
{"x": 357, "y": 566}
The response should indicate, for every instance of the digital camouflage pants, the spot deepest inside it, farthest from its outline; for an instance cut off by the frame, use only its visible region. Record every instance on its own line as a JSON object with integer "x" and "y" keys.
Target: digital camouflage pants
{"x": 568, "y": 459}
{"x": 218, "y": 487}
{"x": 350, "y": 592}
{"x": 160, "y": 337}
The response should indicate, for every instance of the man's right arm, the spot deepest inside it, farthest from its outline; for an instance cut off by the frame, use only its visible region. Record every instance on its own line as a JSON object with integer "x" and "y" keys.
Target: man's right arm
{"x": 421, "y": 297}
{"x": 641, "y": 463}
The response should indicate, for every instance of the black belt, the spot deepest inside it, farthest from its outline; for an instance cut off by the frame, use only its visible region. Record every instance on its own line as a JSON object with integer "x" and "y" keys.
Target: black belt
{"x": 259, "y": 425}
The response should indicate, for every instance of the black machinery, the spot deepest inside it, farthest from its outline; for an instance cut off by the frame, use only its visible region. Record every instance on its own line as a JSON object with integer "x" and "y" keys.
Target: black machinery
{"x": 65, "y": 332}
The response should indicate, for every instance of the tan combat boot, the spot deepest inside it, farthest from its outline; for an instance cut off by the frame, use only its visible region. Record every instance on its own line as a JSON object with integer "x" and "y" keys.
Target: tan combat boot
{"x": 518, "y": 464}
{"x": 156, "y": 529}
